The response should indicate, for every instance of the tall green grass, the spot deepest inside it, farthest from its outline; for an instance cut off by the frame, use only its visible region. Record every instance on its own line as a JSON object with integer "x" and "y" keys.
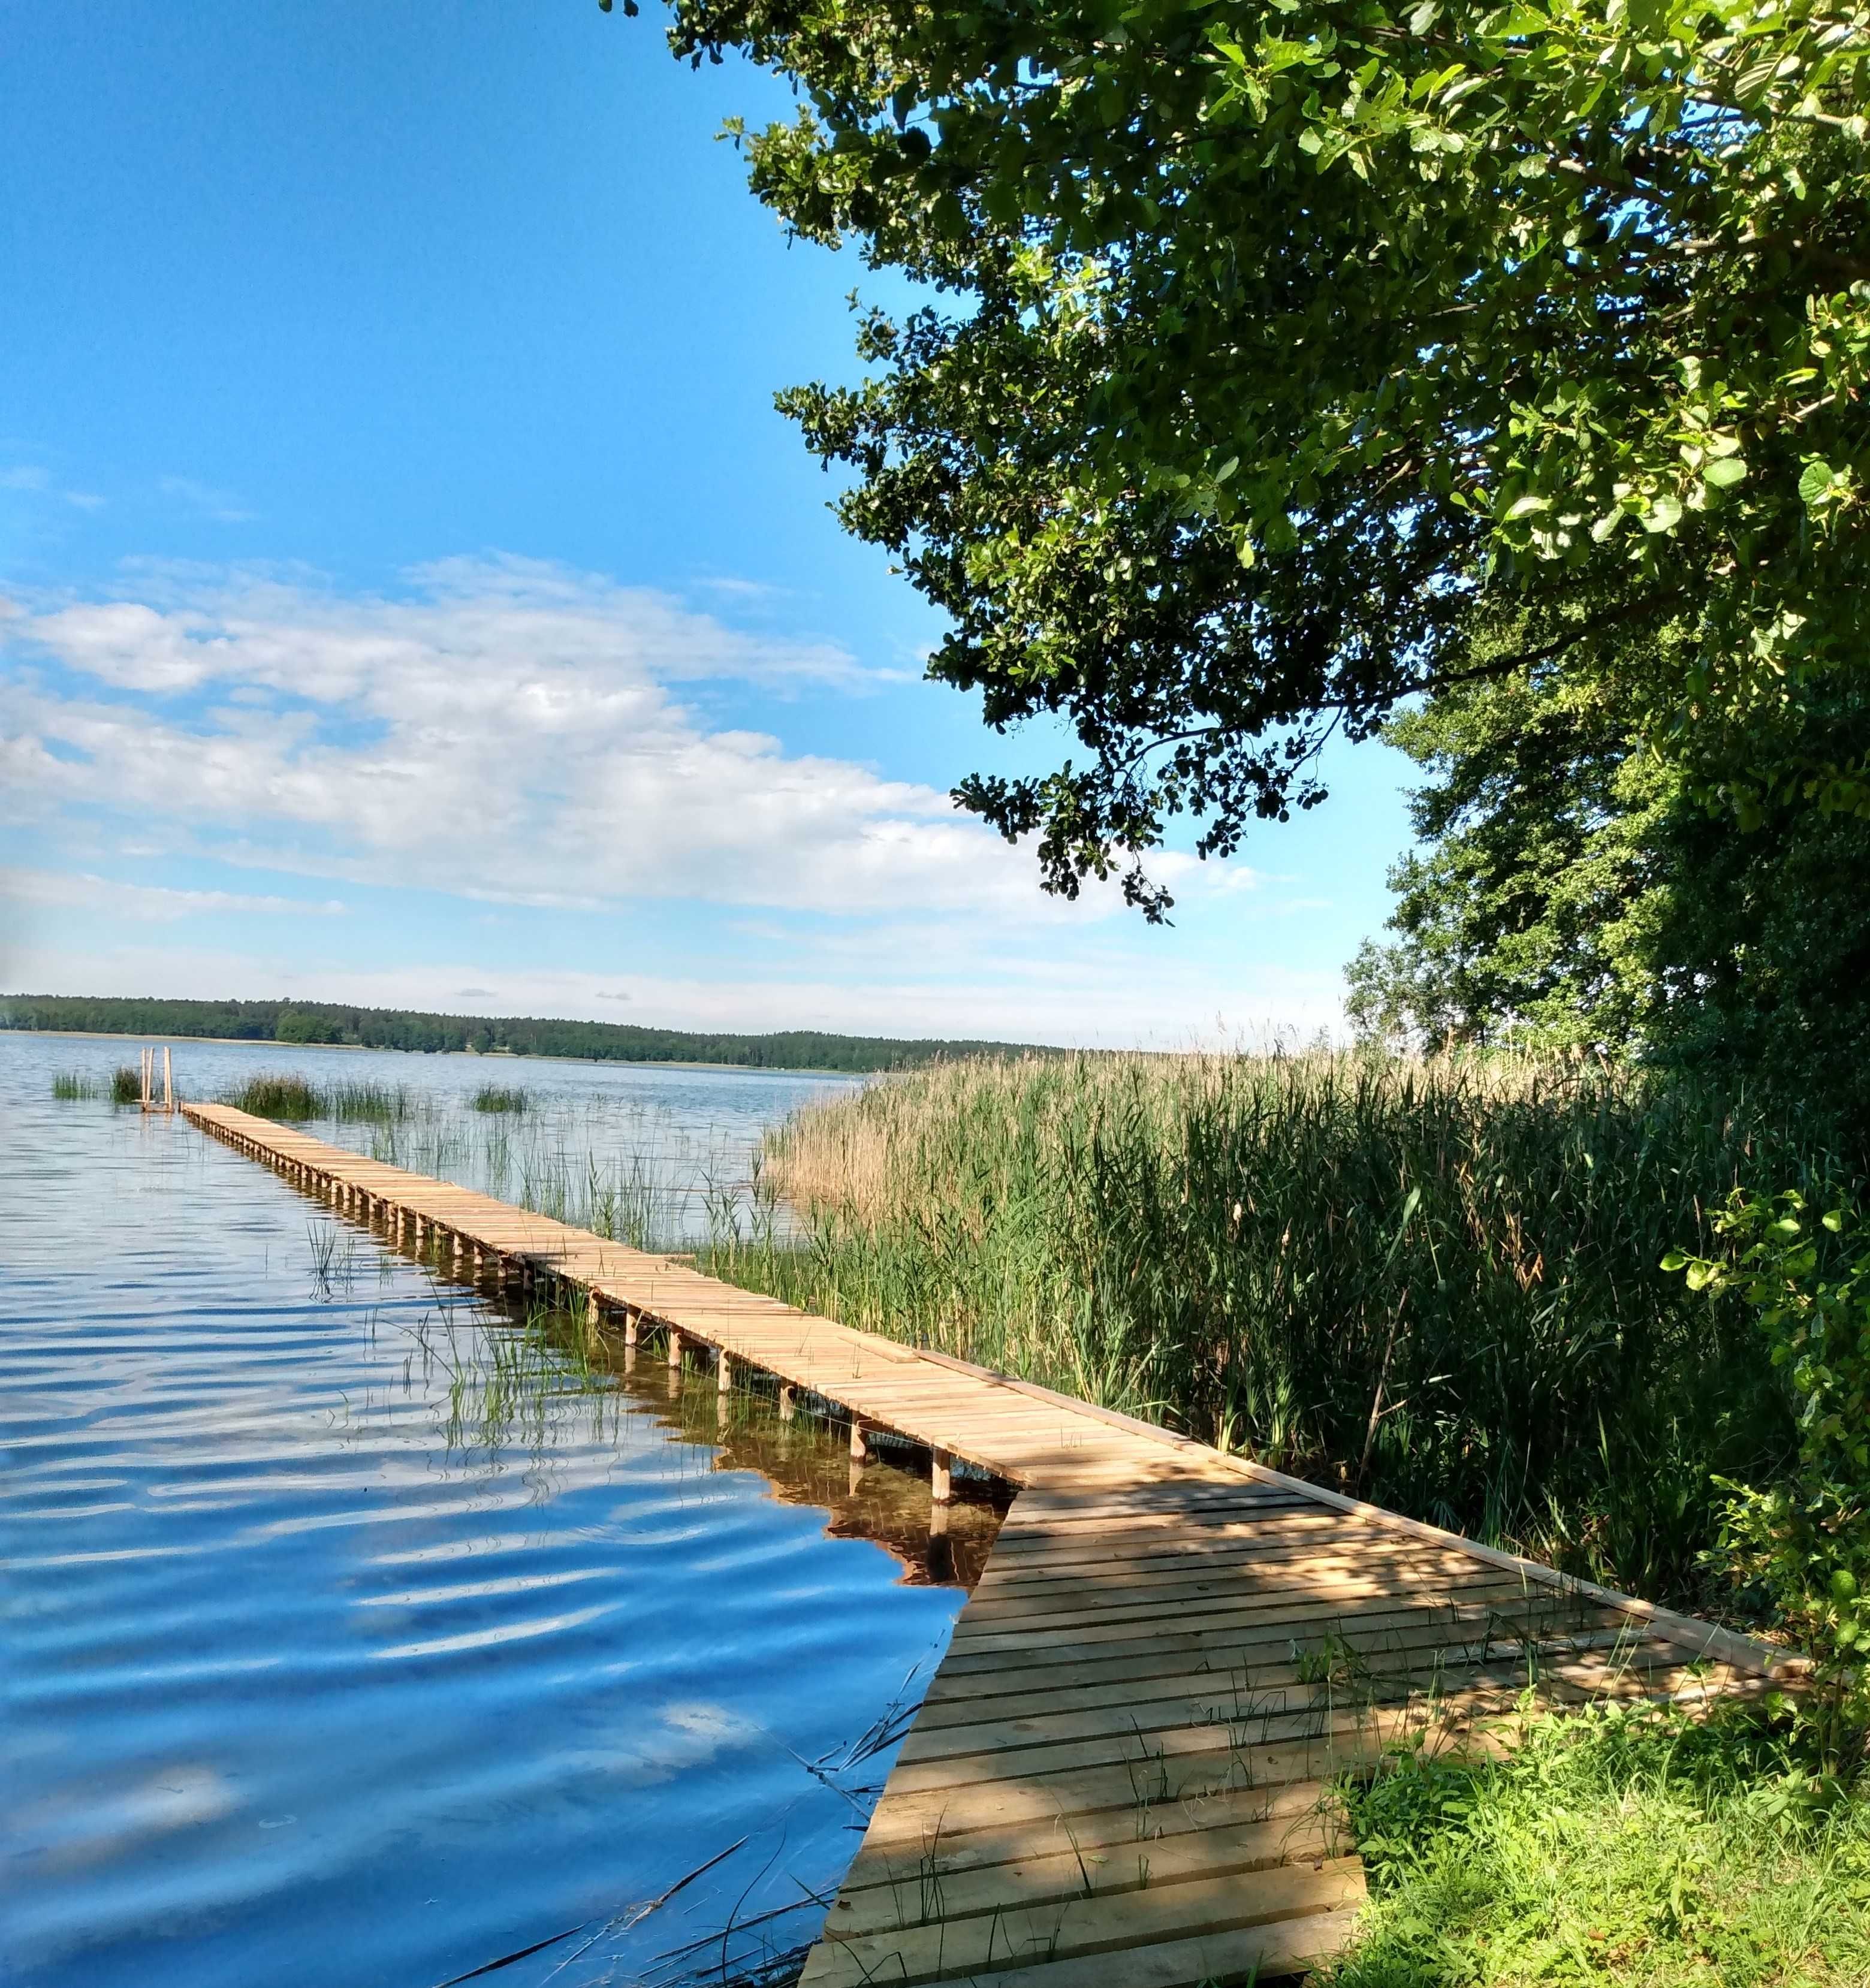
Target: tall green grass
{"x": 362, "y": 1100}
{"x": 1435, "y": 1285}
{"x": 276, "y": 1095}
{"x": 71, "y": 1087}
{"x": 286, "y": 1096}
{"x": 500, "y": 1098}
{"x": 126, "y": 1085}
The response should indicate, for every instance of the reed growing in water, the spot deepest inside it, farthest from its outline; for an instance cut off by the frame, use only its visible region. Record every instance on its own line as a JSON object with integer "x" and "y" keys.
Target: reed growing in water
{"x": 363, "y": 1100}
{"x": 70, "y": 1087}
{"x": 292, "y": 1099}
{"x": 126, "y": 1085}
{"x": 1435, "y": 1285}
{"x": 278, "y": 1095}
{"x": 500, "y": 1098}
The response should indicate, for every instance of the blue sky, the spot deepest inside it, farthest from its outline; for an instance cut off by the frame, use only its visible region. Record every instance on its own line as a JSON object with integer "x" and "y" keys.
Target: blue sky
{"x": 408, "y": 593}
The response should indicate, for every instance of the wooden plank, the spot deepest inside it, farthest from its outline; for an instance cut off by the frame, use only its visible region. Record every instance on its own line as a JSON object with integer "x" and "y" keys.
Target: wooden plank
{"x": 1238, "y": 1960}
{"x": 892, "y": 1895}
{"x": 1295, "y": 1809}
{"x": 1074, "y": 1928}
{"x": 1409, "y": 1654}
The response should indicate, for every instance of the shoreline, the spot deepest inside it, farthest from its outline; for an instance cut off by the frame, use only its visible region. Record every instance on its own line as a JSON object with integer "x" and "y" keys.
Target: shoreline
{"x": 479, "y": 1055}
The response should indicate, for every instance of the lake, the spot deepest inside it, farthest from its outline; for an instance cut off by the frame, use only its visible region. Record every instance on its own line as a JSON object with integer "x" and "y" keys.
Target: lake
{"x": 358, "y": 1630}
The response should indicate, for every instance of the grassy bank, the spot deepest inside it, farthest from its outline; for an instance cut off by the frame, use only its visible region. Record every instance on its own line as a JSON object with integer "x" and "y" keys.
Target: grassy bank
{"x": 1435, "y": 1285}
{"x": 1653, "y": 1851}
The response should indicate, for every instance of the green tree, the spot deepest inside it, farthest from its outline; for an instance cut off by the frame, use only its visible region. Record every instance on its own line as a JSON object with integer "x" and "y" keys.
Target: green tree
{"x": 1275, "y": 339}
{"x": 1571, "y": 888}
{"x": 294, "y": 1025}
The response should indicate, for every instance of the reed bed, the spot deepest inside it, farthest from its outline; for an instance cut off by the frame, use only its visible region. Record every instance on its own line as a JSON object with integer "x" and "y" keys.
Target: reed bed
{"x": 501, "y": 1097}
{"x": 72, "y": 1087}
{"x": 126, "y": 1085}
{"x": 1433, "y": 1284}
{"x": 285, "y": 1096}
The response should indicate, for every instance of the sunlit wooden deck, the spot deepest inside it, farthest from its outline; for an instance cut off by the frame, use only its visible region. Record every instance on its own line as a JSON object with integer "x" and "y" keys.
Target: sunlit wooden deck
{"x": 1119, "y": 1778}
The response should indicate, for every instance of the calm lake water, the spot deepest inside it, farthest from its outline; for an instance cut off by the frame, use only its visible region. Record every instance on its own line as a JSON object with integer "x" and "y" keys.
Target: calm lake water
{"x": 354, "y": 1632}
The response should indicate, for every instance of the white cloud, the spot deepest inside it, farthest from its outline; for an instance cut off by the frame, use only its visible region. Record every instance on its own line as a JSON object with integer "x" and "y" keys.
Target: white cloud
{"x": 525, "y": 736}
{"x": 509, "y": 730}
{"x": 32, "y": 479}
{"x": 221, "y": 505}
{"x": 68, "y": 891}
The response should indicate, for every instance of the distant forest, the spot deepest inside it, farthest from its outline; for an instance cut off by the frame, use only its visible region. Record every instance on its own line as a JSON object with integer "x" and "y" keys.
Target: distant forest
{"x": 302, "y": 1022}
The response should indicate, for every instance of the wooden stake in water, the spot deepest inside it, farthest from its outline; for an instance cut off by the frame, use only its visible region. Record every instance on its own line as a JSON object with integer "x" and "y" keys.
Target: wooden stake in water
{"x": 168, "y": 1087}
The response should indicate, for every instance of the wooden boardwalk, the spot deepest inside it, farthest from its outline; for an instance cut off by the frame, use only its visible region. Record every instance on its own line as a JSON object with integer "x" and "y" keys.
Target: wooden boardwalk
{"x": 1117, "y": 1780}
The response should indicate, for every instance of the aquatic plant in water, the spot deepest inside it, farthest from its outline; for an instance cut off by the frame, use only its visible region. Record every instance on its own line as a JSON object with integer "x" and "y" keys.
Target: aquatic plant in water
{"x": 280, "y": 1094}
{"x": 501, "y": 1097}
{"x": 380, "y": 1103}
{"x": 71, "y": 1085}
{"x": 287, "y": 1096}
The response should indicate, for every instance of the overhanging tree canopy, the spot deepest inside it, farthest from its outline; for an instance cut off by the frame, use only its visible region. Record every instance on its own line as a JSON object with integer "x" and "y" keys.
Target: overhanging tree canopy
{"x": 1288, "y": 339}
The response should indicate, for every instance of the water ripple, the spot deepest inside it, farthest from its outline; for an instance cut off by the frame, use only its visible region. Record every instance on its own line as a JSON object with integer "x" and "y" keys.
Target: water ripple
{"x": 312, "y": 1679}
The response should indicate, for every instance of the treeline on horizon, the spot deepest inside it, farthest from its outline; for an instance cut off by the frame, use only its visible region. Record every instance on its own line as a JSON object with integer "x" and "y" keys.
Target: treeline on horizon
{"x": 328, "y": 1023}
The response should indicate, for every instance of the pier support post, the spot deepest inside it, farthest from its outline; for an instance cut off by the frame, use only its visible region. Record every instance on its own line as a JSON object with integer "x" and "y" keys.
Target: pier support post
{"x": 724, "y": 1373}
{"x": 941, "y": 1553}
{"x": 860, "y": 1442}
{"x": 789, "y": 1402}
{"x": 674, "y": 1349}
{"x": 941, "y": 1479}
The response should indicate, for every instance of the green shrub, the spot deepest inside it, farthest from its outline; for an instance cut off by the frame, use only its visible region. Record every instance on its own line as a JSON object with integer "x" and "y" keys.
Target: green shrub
{"x": 1804, "y": 1539}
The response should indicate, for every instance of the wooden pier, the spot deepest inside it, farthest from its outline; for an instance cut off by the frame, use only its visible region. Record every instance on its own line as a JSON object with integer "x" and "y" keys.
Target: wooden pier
{"x": 1118, "y": 1779}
